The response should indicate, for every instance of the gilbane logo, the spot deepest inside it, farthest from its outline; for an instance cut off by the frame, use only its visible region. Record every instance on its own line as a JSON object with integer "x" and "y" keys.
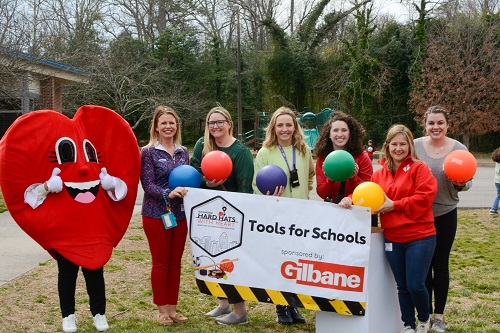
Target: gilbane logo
{"x": 324, "y": 275}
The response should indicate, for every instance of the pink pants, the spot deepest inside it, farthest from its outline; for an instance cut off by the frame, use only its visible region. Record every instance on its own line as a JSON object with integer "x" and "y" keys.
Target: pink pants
{"x": 166, "y": 247}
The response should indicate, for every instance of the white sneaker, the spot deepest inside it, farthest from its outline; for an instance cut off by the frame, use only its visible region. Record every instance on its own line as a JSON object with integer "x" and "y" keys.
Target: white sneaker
{"x": 407, "y": 329}
{"x": 100, "y": 322}
{"x": 438, "y": 325}
{"x": 423, "y": 326}
{"x": 69, "y": 324}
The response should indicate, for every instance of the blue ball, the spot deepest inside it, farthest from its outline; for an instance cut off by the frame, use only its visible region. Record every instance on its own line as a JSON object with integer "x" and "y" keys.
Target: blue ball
{"x": 185, "y": 176}
{"x": 269, "y": 177}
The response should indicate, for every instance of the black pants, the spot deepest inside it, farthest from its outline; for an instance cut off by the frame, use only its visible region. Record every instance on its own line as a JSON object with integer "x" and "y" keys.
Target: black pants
{"x": 66, "y": 286}
{"x": 438, "y": 278}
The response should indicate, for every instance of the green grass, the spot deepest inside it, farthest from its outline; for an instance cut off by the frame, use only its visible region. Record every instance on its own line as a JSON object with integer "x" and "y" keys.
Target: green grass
{"x": 30, "y": 303}
{"x": 3, "y": 207}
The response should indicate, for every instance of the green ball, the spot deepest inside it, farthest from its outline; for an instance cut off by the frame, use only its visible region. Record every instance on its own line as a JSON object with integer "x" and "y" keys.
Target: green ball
{"x": 339, "y": 166}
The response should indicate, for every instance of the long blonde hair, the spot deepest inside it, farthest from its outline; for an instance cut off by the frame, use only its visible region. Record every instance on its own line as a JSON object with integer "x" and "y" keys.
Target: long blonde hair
{"x": 208, "y": 140}
{"x": 394, "y": 131}
{"x": 271, "y": 140}
{"x": 154, "y": 136}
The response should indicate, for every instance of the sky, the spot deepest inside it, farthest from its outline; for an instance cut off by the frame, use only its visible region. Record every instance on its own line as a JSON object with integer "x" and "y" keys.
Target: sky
{"x": 399, "y": 10}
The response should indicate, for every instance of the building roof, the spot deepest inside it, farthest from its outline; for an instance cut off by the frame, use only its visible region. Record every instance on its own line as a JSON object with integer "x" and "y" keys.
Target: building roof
{"x": 41, "y": 65}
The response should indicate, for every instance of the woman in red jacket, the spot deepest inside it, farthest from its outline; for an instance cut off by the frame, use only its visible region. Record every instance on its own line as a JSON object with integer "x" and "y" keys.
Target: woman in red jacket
{"x": 342, "y": 132}
{"x": 408, "y": 222}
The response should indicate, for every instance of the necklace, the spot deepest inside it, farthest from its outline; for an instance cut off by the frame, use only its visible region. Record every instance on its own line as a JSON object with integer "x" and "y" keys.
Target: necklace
{"x": 439, "y": 149}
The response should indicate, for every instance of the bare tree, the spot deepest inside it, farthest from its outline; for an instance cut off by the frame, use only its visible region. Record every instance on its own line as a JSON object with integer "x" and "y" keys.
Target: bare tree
{"x": 144, "y": 19}
{"x": 453, "y": 9}
{"x": 134, "y": 17}
{"x": 489, "y": 6}
{"x": 14, "y": 28}
{"x": 252, "y": 14}
{"x": 212, "y": 19}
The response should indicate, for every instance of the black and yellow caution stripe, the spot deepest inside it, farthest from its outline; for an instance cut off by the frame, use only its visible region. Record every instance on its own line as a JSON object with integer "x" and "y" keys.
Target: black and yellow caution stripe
{"x": 349, "y": 308}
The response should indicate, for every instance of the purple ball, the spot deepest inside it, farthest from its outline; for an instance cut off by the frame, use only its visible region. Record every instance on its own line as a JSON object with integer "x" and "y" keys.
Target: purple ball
{"x": 269, "y": 177}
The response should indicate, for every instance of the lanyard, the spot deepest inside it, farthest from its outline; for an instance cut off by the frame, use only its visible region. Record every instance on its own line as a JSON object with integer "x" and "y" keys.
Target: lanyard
{"x": 167, "y": 202}
{"x": 286, "y": 161}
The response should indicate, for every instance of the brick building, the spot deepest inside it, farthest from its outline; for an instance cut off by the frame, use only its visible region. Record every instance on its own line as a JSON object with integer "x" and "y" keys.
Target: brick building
{"x": 29, "y": 82}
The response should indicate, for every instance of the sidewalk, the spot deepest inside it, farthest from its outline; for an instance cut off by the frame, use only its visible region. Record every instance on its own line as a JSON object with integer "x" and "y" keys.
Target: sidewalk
{"x": 19, "y": 253}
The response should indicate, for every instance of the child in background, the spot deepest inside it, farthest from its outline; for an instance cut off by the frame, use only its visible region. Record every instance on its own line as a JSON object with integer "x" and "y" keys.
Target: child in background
{"x": 495, "y": 156}
{"x": 370, "y": 149}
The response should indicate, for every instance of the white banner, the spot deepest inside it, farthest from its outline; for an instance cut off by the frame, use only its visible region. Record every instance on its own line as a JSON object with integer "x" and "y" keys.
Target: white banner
{"x": 306, "y": 247}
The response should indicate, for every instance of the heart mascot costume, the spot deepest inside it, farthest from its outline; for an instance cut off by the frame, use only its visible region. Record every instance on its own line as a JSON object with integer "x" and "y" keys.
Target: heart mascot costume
{"x": 71, "y": 184}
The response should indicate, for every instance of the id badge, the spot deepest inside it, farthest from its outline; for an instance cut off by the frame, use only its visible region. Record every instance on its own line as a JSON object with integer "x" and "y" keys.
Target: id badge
{"x": 169, "y": 220}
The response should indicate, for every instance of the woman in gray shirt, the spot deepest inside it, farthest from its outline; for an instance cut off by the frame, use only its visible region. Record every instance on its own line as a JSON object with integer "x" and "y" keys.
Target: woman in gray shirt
{"x": 433, "y": 149}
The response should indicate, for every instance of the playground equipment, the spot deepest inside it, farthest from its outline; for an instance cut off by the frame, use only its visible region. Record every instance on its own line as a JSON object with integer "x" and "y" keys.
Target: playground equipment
{"x": 311, "y": 125}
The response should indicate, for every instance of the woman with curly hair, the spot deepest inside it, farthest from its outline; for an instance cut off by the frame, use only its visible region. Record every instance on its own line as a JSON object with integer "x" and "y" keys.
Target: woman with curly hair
{"x": 342, "y": 132}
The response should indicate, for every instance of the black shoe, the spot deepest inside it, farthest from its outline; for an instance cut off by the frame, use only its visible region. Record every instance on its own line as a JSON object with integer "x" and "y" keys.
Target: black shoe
{"x": 296, "y": 316}
{"x": 284, "y": 316}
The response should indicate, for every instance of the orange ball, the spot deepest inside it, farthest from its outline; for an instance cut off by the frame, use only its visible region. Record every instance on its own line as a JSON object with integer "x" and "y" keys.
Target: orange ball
{"x": 216, "y": 165}
{"x": 368, "y": 194}
{"x": 226, "y": 265}
{"x": 460, "y": 166}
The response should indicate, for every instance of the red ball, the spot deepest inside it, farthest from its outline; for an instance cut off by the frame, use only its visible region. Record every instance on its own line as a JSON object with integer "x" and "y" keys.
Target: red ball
{"x": 216, "y": 165}
{"x": 460, "y": 166}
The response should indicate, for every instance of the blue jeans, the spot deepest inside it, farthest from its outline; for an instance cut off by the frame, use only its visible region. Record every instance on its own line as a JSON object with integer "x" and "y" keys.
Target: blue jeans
{"x": 410, "y": 263}
{"x": 497, "y": 199}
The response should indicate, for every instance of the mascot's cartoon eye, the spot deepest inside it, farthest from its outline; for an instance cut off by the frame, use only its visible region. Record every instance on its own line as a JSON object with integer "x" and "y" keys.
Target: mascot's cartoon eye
{"x": 90, "y": 152}
{"x": 65, "y": 150}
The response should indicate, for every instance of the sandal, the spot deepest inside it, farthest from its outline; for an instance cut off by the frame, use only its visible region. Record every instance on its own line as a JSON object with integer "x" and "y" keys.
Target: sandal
{"x": 164, "y": 319}
{"x": 178, "y": 318}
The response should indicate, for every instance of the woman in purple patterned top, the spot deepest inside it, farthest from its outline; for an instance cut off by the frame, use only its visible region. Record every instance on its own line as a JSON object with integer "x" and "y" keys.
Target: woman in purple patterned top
{"x": 159, "y": 157}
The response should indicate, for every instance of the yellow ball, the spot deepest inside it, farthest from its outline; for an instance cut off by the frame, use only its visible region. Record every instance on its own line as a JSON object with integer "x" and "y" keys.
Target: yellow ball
{"x": 368, "y": 194}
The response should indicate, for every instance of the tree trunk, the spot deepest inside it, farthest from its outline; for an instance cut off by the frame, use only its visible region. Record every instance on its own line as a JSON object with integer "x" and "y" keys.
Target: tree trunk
{"x": 162, "y": 16}
{"x": 466, "y": 140}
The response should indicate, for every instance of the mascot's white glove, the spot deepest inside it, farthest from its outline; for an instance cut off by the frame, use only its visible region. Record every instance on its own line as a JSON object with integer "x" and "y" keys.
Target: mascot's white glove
{"x": 55, "y": 183}
{"x": 107, "y": 182}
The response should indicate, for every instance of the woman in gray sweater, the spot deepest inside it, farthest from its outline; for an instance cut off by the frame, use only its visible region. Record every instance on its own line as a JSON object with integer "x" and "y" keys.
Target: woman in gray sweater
{"x": 433, "y": 149}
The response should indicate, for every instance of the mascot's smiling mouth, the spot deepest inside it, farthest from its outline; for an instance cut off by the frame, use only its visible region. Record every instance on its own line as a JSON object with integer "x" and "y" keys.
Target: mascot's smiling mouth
{"x": 84, "y": 192}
